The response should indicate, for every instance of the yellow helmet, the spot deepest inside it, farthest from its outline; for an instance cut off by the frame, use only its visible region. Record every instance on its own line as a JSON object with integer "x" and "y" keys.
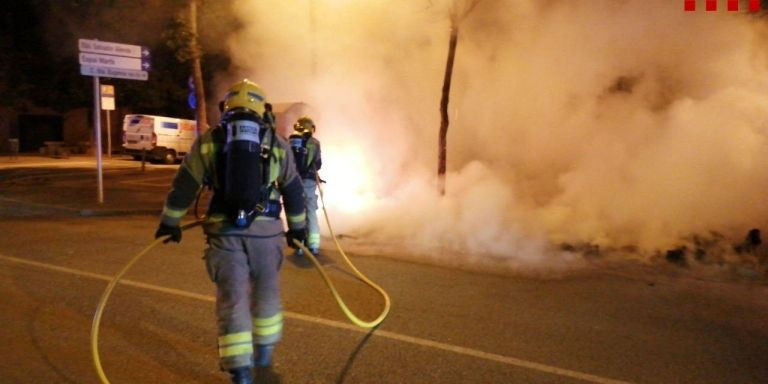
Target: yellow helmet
{"x": 304, "y": 125}
{"x": 245, "y": 94}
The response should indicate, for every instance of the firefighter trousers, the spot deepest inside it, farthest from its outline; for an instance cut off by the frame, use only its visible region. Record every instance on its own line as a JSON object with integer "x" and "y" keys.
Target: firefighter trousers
{"x": 248, "y": 305}
{"x": 310, "y": 199}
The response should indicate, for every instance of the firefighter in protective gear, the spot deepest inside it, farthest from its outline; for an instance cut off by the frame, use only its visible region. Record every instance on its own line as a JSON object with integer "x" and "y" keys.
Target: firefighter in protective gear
{"x": 243, "y": 258}
{"x": 306, "y": 152}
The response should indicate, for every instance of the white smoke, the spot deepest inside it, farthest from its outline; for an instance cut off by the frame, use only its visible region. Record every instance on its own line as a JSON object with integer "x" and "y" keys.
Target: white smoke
{"x": 606, "y": 122}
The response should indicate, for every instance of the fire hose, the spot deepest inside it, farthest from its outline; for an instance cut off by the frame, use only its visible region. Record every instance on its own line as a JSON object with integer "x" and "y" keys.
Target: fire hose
{"x": 350, "y": 315}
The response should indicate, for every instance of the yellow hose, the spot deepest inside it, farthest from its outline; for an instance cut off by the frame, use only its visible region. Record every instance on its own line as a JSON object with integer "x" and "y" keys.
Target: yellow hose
{"x": 105, "y": 296}
{"x": 351, "y": 316}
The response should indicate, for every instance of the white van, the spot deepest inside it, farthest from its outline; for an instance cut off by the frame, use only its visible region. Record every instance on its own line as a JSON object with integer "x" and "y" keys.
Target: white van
{"x": 164, "y": 139}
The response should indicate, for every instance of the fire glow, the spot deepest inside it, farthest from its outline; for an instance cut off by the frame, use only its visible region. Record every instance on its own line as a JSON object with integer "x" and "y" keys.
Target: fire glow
{"x": 348, "y": 179}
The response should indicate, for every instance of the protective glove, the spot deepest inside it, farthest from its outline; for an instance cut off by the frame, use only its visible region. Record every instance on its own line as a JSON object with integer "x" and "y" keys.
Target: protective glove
{"x": 299, "y": 235}
{"x": 165, "y": 230}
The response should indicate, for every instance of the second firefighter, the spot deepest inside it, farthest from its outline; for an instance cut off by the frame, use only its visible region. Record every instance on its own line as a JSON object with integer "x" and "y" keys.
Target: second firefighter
{"x": 306, "y": 152}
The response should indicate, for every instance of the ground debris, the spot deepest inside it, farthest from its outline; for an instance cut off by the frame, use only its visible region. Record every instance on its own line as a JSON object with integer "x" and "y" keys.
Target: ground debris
{"x": 710, "y": 255}
{"x": 716, "y": 253}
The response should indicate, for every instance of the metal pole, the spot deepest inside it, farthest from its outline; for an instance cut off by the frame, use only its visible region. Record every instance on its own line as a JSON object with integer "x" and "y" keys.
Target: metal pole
{"x": 109, "y": 137}
{"x": 97, "y": 132}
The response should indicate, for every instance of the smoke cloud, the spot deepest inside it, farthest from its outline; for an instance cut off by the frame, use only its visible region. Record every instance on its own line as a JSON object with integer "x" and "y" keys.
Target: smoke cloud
{"x": 618, "y": 124}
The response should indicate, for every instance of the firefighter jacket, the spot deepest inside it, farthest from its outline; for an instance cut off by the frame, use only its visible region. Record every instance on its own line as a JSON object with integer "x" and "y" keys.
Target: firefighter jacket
{"x": 313, "y": 160}
{"x": 202, "y": 165}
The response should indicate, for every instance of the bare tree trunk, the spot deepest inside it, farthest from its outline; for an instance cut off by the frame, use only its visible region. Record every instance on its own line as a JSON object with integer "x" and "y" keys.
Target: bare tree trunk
{"x": 313, "y": 33}
{"x": 197, "y": 72}
{"x": 443, "y": 140}
{"x": 459, "y": 11}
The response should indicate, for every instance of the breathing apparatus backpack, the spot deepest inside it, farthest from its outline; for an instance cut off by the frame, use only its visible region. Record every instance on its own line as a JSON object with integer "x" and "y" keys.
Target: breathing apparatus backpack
{"x": 245, "y": 162}
{"x": 298, "y": 143}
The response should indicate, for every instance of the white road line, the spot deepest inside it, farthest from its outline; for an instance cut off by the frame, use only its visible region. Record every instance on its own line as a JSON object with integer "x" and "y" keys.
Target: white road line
{"x": 337, "y": 324}
{"x": 55, "y": 164}
{"x": 57, "y": 175}
{"x": 156, "y": 181}
{"x": 39, "y": 204}
{"x": 67, "y": 164}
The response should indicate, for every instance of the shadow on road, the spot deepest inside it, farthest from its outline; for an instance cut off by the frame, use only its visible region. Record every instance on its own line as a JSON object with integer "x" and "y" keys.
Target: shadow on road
{"x": 354, "y": 355}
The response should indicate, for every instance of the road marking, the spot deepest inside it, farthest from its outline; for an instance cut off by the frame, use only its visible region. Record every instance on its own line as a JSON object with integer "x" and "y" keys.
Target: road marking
{"x": 49, "y": 175}
{"x": 44, "y": 205}
{"x": 337, "y": 324}
{"x": 62, "y": 164}
{"x": 54, "y": 164}
{"x": 153, "y": 181}
{"x": 87, "y": 169}
{"x": 156, "y": 181}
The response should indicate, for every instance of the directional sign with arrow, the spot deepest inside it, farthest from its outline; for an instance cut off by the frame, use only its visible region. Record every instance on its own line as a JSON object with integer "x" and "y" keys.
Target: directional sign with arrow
{"x": 108, "y": 59}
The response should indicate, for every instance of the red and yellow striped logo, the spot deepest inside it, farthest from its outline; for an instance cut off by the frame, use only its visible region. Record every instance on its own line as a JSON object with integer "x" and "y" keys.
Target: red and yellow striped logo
{"x": 711, "y": 5}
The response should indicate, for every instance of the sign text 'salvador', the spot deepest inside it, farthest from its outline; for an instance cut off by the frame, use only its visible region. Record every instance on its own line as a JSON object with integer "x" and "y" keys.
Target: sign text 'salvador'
{"x": 711, "y": 5}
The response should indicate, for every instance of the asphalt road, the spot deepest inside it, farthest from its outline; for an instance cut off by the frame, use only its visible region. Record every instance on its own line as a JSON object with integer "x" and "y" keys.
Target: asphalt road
{"x": 59, "y": 250}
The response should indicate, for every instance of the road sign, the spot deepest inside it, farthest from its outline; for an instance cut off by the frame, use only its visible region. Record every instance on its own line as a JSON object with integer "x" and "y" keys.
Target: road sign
{"x": 108, "y": 97}
{"x": 116, "y": 49}
{"x": 113, "y": 72}
{"x": 108, "y": 61}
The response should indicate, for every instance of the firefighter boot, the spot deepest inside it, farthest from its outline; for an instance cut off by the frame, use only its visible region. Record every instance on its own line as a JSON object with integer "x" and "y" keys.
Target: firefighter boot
{"x": 263, "y": 356}
{"x": 241, "y": 375}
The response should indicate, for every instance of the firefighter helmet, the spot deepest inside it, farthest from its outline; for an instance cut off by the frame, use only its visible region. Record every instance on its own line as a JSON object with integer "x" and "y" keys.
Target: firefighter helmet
{"x": 304, "y": 125}
{"x": 247, "y": 95}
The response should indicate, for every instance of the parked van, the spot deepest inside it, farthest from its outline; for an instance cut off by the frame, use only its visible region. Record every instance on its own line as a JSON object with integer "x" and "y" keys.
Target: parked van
{"x": 164, "y": 139}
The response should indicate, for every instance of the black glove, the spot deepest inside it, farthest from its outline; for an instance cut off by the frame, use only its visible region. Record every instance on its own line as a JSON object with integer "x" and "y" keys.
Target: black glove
{"x": 165, "y": 230}
{"x": 299, "y": 235}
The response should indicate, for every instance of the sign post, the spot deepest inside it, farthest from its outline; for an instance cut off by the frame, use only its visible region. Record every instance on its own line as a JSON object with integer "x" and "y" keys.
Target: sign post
{"x": 108, "y": 104}
{"x": 97, "y": 139}
{"x": 116, "y": 60}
